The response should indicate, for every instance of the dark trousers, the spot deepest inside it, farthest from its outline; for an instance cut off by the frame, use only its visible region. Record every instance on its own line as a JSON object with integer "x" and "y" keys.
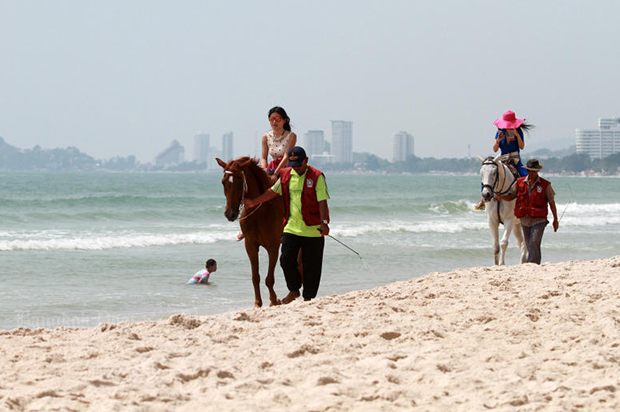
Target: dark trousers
{"x": 312, "y": 261}
{"x": 532, "y": 235}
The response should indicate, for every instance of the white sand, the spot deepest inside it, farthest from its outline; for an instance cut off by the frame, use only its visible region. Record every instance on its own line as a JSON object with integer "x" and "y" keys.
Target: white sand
{"x": 516, "y": 338}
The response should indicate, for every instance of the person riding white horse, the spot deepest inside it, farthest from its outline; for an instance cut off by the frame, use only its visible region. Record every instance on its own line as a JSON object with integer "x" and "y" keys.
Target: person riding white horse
{"x": 509, "y": 139}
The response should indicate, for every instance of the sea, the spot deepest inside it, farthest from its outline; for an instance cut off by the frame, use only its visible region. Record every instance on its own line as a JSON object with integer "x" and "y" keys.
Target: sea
{"x": 80, "y": 249}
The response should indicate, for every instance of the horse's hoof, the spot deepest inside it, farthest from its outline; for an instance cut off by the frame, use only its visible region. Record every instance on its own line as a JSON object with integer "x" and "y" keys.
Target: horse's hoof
{"x": 278, "y": 302}
{"x": 258, "y": 304}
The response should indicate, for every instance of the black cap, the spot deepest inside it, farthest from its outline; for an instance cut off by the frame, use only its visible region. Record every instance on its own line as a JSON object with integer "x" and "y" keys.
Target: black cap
{"x": 296, "y": 156}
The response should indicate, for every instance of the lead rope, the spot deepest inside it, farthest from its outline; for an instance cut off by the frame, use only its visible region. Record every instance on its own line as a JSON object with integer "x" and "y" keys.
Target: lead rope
{"x": 504, "y": 181}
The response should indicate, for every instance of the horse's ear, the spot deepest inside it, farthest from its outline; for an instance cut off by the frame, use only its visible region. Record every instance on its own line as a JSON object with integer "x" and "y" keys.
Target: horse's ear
{"x": 480, "y": 158}
{"x": 246, "y": 161}
{"x": 220, "y": 162}
{"x": 498, "y": 157}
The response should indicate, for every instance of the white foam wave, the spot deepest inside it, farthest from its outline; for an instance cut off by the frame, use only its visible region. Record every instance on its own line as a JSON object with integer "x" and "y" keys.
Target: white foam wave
{"x": 579, "y": 216}
{"x": 588, "y": 214}
{"x": 589, "y": 208}
{"x": 446, "y": 207}
{"x": 86, "y": 241}
{"x": 576, "y": 215}
{"x": 434, "y": 226}
{"x": 589, "y": 221}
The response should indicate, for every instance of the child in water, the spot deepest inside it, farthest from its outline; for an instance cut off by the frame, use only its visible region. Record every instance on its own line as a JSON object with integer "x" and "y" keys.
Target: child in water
{"x": 202, "y": 276}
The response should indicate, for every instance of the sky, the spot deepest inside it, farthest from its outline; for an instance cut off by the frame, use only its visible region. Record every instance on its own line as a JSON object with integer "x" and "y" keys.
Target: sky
{"x": 118, "y": 78}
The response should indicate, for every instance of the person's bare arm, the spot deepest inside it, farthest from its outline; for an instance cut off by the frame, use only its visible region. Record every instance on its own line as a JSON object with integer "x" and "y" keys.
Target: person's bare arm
{"x": 292, "y": 142}
{"x": 520, "y": 141}
{"x": 324, "y": 211}
{"x": 265, "y": 197}
{"x": 264, "y": 153}
{"x": 507, "y": 198}
{"x": 500, "y": 137}
{"x": 554, "y": 210}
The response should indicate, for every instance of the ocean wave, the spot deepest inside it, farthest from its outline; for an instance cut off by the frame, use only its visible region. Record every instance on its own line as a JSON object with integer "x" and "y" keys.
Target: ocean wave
{"x": 448, "y": 207}
{"x": 62, "y": 240}
{"x": 589, "y": 208}
{"x": 435, "y": 226}
{"x": 452, "y": 206}
{"x": 588, "y": 221}
{"x": 113, "y": 202}
{"x": 81, "y": 215}
{"x": 580, "y": 216}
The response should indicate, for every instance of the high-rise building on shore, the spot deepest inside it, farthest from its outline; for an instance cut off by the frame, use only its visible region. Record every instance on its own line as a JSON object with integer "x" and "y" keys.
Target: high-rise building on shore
{"x": 601, "y": 142}
{"x": 402, "y": 147}
{"x": 201, "y": 147}
{"x": 172, "y": 155}
{"x": 227, "y": 146}
{"x": 342, "y": 141}
{"x": 314, "y": 142}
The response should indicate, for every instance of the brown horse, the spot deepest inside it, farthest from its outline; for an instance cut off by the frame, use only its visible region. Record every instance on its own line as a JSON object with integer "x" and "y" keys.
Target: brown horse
{"x": 261, "y": 225}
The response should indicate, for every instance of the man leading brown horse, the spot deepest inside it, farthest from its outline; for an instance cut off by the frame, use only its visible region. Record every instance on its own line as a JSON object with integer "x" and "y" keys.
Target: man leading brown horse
{"x": 306, "y": 222}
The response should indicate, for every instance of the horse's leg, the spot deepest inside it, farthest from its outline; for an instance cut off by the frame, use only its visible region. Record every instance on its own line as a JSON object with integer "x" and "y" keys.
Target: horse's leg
{"x": 252, "y": 250}
{"x": 270, "y": 280}
{"x": 494, "y": 228}
{"x": 508, "y": 227}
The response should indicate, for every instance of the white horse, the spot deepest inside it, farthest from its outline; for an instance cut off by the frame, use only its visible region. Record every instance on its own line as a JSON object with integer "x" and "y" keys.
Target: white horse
{"x": 498, "y": 180}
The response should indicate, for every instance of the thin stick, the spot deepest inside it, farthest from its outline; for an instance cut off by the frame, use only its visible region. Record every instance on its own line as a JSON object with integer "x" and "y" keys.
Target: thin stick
{"x": 346, "y": 246}
{"x": 569, "y": 202}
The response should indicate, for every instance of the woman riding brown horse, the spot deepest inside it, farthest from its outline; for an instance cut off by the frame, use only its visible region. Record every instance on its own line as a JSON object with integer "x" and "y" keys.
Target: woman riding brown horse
{"x": 262, "y": 225}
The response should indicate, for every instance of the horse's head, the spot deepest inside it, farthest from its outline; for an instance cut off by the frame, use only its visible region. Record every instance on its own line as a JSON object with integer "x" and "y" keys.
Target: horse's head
{"x": 235, "y": 185}
{"x": 489, "y": 174}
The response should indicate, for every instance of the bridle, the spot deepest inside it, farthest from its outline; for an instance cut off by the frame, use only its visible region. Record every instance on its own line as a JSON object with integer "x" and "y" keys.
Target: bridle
{"x": 503, "y": 177}
{"x": 243, "y": 192}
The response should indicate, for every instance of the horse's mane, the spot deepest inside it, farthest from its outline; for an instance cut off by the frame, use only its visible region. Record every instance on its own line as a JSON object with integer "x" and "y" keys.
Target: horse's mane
{"x": 251, "y": 165}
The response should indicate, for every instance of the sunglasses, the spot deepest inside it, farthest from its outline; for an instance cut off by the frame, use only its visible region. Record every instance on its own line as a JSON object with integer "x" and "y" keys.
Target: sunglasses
{"x": 275, "y": 118}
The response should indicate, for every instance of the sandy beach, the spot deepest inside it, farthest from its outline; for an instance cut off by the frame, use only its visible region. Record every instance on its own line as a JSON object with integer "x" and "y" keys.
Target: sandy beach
{"x": 515, "y": 338}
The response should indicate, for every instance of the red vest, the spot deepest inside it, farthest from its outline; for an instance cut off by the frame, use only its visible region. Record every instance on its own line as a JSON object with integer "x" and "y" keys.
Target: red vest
{"x": 534, "y": 204}
{"x": 309, "y": 203}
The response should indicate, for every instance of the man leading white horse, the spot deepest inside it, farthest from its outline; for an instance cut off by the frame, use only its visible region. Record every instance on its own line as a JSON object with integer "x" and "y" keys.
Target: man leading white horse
{"x": 534, "y": 196}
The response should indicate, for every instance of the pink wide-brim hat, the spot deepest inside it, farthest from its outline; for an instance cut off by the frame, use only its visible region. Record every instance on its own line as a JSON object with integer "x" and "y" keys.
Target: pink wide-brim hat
{"x": 508, "y": 121}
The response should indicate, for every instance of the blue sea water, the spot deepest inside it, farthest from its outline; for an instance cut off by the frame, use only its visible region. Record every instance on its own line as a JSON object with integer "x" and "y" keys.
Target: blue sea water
{"x": 78, "y": 249}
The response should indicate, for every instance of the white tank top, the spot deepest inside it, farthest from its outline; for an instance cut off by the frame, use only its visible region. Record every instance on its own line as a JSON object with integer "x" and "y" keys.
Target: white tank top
{"x": 277, "y": 146}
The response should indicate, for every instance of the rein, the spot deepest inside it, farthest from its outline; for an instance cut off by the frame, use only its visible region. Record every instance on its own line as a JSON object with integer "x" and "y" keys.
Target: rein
{"x": 245, "y": 189}
{"x": 497, "y": 177}
{"x": 500, "y": 171}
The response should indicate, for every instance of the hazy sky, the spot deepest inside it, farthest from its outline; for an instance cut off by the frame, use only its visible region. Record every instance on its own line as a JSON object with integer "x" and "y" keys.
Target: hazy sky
{"x": 127, "y": 77}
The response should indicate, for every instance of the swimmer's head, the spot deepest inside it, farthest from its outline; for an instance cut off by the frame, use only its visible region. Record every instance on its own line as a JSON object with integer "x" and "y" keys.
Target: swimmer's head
{"x": 211, "y": 265}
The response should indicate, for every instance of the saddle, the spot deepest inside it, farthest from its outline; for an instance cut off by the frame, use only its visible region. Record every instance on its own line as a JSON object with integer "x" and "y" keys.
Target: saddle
{"x": 513, "y": 169}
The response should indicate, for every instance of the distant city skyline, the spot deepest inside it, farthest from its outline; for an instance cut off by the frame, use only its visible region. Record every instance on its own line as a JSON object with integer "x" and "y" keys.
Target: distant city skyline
{"x": 120, "y": 78}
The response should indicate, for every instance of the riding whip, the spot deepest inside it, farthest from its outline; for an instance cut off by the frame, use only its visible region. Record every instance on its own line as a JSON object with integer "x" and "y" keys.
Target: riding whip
{"x": 569, "y": 202}
{"x": 346, "y": 246}
{"x": 366, "y": 265}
